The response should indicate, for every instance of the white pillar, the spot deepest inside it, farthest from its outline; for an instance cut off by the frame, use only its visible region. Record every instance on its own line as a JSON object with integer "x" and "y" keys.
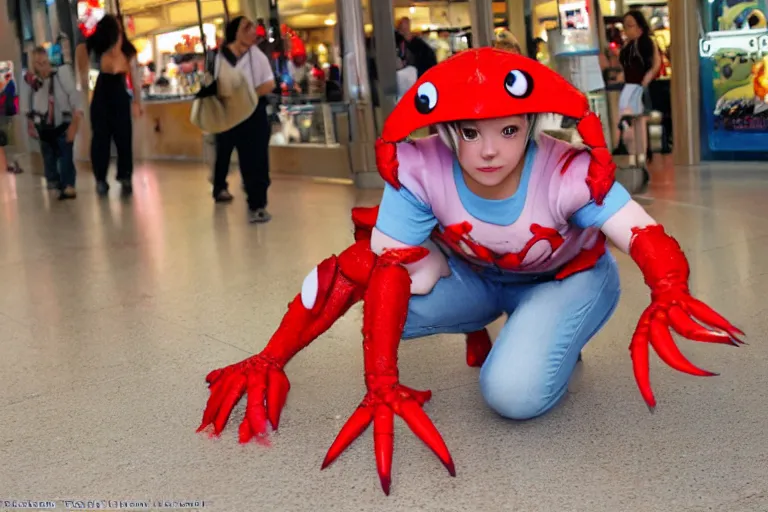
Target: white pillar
{"x": 53, "y": 22}
{"x": 263, "y": 9}
{"x": 481, "y": 16}
{"x": 65, "y": 15}
{"x": 354, "y": 70}
{"x": 40, "y": 23}
{"x": 384, "y": 54}
{"x": 516, "y": 23}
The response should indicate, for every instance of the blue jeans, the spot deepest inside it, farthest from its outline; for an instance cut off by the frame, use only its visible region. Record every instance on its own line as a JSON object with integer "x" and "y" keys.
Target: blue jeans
{"x": 58, "y": 160}
{"x": 528, "y": 369}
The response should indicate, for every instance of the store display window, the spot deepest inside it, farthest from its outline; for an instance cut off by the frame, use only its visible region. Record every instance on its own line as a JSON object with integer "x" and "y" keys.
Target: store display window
{"x": 575, "y": 27}
{"x": 89, "y": 13}
{"x": 565, "y": 27}
{"x": 173, "y": 63}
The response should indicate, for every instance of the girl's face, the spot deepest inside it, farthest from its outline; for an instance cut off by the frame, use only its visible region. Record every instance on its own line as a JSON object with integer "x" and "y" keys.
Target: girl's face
{"x": 631, "y": 28}
{"x": 490, "y": 150}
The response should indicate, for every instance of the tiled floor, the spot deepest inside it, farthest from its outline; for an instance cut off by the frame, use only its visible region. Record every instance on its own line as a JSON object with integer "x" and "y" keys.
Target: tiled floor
{"x": 113, "y": 311}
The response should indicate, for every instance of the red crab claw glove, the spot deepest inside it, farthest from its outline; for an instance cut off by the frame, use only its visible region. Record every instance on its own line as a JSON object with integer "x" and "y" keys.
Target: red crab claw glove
{"x": 666, "y": 272}
{"x": 341, "y": 283}
{"x": 384, "y": 314}
{"x": 265, "y": 382}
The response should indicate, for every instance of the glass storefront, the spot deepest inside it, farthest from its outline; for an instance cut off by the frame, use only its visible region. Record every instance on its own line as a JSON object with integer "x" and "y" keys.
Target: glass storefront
{"x": 446, "y": 27}
{"x": 579, "y": 38}
{"x": 168, "y": 39}
{"x": 734, "y": 77}
{"x": 172, "y": 63}
{"x": 582, "y": 40}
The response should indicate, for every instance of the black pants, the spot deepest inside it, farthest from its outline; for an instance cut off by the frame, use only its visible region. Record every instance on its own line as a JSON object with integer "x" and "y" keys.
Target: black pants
{"x": 111, "y": 120}
{"x": 251, "y": 139}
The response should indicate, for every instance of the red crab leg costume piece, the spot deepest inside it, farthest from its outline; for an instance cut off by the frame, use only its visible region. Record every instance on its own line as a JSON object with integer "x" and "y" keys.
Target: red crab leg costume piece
{"x": 666, "y": 272}
{"x": 602, "y": 170}
{"x": 385, "y": 308}
{"x": 478, "y": 347}
{"x": 479, "y": 342}
{"x": 341, "y": 283}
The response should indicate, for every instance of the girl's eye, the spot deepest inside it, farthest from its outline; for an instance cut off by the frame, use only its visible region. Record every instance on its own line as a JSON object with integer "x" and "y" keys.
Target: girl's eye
{"x": 509, "y": 131}
{"x": 469, "y": 134}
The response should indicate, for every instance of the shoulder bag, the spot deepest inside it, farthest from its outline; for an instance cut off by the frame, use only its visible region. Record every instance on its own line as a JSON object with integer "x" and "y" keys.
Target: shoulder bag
{"x": 224, "y": 101}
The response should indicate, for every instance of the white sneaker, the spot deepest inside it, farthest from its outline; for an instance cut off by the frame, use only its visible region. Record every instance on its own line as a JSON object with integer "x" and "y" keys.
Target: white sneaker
{"x": 261, "y": 215}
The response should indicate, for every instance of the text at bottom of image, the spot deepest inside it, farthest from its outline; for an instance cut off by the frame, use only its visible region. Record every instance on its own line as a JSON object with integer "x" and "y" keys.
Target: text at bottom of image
{"x": 87, "y": 505}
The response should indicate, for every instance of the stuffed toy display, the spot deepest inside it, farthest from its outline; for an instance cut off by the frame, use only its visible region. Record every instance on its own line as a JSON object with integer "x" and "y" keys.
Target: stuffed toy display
{"x": 9, "y": 98}
{"x": 9, "y": 107}
{"x": 490, "y": 216}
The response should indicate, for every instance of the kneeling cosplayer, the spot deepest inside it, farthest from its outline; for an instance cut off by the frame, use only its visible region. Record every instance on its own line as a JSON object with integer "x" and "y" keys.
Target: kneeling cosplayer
{"x": 491, "y": 216}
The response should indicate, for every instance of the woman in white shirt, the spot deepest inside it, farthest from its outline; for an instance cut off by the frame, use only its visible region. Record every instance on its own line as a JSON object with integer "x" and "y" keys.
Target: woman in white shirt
{"x": 251, "y": 137}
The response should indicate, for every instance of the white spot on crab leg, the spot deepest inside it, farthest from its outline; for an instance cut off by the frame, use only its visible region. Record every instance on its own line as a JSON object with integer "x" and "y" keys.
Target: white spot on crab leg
{"x": 309, "y": 289}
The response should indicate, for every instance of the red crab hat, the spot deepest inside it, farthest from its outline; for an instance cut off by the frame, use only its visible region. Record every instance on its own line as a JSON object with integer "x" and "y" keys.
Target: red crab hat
{"x": 486, "y": 83}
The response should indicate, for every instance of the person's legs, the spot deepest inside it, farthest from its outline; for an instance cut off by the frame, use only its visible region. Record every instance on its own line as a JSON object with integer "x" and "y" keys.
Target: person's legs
{"x": 122, "y": 127}
{"x": 225, "y": 144}
{"x": 248, "y": 150}
{"x": 5, "y": 128}
{"x": 67, "y": 170}
{"x": 252, "y": 142}
{"x": 463, "y": 302}
{"x": 50, "y": 163}
{"x": 631, "y": 104}
{"x": 642, "y": 140}
{"x": 528, "y": 368}
{"x": 101, "y": 140}
{"x": 263, "y": 133}
{"x": 628, "y": 134}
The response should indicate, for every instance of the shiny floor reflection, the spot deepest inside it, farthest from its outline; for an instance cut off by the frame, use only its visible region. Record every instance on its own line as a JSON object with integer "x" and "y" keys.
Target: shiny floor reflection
{"x": 113, "y": 311}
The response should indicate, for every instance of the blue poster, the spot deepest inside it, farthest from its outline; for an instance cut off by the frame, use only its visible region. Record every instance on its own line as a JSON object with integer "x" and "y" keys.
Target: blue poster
{"x": 737, "y": 15}
{"x": 734, "y": 85}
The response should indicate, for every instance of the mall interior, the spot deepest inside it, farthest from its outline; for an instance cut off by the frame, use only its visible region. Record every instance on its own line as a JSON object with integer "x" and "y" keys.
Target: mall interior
{"x": 712, "y": 52}
{"x": 114, "y": 309}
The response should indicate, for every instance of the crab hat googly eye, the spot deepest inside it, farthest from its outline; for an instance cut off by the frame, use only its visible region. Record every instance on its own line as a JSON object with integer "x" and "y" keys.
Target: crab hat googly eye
{"x": 426, "y": 98}
{"x": 518, "y": 83}
{"x": 487, "y": 83}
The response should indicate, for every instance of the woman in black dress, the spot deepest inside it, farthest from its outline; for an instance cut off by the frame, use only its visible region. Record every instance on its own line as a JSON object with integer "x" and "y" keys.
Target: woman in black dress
{"x": 112, "y": 105}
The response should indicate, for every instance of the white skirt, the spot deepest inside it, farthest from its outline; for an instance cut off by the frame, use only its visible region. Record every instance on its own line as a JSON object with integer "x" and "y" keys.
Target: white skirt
{"x": 631, "y": 99}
